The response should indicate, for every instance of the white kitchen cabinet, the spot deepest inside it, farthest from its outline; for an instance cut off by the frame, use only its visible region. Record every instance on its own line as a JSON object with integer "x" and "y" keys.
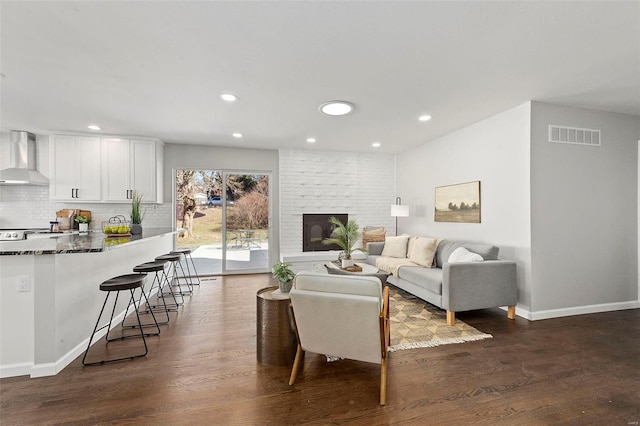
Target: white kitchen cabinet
{"x": 130, "y": 165}
{"x": 75, "y": 168}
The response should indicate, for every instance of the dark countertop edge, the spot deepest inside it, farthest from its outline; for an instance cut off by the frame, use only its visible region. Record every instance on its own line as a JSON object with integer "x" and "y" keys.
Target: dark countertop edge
{"x": 85, "y": 250}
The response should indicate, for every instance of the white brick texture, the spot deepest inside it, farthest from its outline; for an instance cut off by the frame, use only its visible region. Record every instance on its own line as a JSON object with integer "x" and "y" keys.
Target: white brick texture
{"x": 361, "y": 185}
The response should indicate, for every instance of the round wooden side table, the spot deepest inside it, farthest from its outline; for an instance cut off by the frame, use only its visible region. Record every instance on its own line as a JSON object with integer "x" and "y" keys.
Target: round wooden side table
{"x": 276, "y": 340}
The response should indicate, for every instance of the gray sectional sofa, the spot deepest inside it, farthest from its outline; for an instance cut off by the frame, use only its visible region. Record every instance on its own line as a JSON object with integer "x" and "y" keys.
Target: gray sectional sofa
{"x": 457, "y": 287}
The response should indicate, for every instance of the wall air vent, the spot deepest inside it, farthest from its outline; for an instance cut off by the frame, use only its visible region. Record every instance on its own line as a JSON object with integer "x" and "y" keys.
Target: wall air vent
{"x": 574, "y": 135}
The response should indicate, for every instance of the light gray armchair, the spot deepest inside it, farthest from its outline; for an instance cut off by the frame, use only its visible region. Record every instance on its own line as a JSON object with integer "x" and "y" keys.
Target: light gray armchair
{"x": 344, "y": 316}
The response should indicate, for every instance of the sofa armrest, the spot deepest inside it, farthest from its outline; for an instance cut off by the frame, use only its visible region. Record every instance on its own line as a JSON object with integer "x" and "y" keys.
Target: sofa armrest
{"x": 375, "y": 248}
{"x": 479, "y": 285}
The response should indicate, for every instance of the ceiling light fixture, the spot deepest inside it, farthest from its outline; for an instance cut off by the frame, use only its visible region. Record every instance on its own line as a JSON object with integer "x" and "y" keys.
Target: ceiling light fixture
{"x": 229, "y": 97}
{"x": 311, "y": 140}
{"x": 336, "y": 108}
{"x": 94, "y": 127}
{"x": 237, "y": 135}
{"x": 425, "y": 117}
{"x": 376, "y": 144}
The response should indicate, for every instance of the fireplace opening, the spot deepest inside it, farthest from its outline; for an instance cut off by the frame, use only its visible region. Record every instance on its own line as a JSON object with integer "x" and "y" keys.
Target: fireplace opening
{"x": 315, "y": 228}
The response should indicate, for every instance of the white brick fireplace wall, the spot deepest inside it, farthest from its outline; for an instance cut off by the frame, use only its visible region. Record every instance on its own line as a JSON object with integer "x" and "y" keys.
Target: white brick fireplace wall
{"x": 361, "y": 185}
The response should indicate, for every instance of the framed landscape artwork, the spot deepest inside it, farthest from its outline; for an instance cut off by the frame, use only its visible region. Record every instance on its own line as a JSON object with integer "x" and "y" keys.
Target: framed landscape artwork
{"x": 458, "y": 203}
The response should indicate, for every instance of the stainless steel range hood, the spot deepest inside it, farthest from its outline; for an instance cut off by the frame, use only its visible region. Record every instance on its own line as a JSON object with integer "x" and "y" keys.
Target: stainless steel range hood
{"x": 22, "y": 170}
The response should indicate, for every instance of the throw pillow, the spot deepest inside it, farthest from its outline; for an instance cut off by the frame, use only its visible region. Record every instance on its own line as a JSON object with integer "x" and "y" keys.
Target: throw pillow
{"x": 395, "y": 246}
{"x": 461, "y": 254}
{"x": 423, "y": 251}
{"x": 412, "y": 240}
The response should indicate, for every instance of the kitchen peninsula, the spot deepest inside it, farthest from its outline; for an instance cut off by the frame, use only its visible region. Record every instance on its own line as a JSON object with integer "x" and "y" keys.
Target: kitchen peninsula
{"x": 49, "y": 296}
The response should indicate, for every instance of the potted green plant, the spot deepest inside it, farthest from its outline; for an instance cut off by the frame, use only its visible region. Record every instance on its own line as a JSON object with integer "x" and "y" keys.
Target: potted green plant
{"x": 83, "y": 222}
{"x": 283, "y": 273}
{"x": 137, "y": 215}
{"x": 345, "y": 236}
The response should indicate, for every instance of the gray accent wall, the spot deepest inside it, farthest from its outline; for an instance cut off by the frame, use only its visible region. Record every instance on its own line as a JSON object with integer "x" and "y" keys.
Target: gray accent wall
{"x": 584, "y": 211}
{"x": 567, "y": 214}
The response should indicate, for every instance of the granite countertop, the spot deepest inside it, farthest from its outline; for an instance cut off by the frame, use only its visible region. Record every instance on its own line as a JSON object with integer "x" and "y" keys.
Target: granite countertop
{"x": 91, "y": 242}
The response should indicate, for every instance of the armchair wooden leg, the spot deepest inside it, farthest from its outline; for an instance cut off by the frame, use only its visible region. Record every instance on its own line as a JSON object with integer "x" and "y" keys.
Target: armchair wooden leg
{"x": 383, "y": 381}
{"x": 451, "y": 318}
{"x": 296, "y": 365}
{"x": 511, "y": 312}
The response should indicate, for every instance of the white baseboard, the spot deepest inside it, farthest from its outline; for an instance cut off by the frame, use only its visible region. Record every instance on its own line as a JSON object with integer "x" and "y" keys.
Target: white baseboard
{"x": 576, "y": 310}
{"x": 53, "y": 368}
{"x": 14, "y": 370}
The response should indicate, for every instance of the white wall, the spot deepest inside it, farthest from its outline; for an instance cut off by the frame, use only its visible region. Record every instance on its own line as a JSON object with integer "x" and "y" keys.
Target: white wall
{"x": 494, "y": 151}
{"x": 584, "y": 213}
{"x": 326, "y": 182}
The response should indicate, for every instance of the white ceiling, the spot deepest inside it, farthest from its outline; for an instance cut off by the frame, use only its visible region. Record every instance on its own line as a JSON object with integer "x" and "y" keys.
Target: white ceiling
{"x": 157, "y": 69}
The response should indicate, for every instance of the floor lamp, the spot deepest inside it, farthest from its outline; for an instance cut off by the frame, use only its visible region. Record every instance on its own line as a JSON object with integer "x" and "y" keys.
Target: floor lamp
{"x": 399, "y": 210}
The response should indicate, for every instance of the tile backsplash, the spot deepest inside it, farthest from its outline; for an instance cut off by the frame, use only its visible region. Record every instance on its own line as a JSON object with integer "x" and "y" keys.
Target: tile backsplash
{"x": 30, "y": 207}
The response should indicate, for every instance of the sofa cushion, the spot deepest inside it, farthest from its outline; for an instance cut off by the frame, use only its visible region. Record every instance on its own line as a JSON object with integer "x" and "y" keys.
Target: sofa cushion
{"x": 375, "y": 248}
{"x": 461, "y": 254}
{"x": 487, "y": 251}
{"x": 446, "y": 247}
{"x": 371, "y": 259}
{"x": 395, "y": 246}
{"x": 423, "y": 251}
{"x": 429, "y": 278}
{"x": 444, "y": 250}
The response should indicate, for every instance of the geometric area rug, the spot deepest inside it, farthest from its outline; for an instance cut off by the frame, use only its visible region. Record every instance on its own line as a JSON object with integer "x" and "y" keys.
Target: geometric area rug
{"x": 418, "y": 324}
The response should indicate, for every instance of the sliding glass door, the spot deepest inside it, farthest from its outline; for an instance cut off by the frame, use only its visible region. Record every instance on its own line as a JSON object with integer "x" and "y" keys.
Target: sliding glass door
{"x": 247, "y": 222}
{"x": 224, "y": 219}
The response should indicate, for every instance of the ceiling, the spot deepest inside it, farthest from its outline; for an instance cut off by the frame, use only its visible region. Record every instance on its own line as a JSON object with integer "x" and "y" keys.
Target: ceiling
{"x": 157, "y": 69}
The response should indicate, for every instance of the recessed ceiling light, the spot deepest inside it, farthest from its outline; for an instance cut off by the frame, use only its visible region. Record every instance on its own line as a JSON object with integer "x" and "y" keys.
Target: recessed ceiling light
{"x": 237, "y": 135}
{"x": 311, "y": 140}
{"x": 94, "y": 127}
{"x": 336, "y": 108}
{"x": 229, "y": 97}
{"x": 376, "y": 144}
{"x": 425, "y": 117}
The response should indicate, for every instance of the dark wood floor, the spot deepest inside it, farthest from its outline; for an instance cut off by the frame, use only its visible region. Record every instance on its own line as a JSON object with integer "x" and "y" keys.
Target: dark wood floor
{"x": 202, "y": 369}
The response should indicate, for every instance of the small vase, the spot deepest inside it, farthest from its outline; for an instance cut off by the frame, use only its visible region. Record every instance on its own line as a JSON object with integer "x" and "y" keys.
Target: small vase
{"x": 83, "y": 227}
{"x": 136, "y": 229}
{"x": 347, "y": 262}
{"x": 285, "y": 287}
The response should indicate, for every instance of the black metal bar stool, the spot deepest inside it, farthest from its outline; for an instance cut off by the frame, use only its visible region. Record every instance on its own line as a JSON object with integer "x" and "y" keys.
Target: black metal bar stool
{"x": 174, "y": 264}
{"x": 128, "y": 282}
{"x": 155, "y": 267}
{"x": 188, "y": 259}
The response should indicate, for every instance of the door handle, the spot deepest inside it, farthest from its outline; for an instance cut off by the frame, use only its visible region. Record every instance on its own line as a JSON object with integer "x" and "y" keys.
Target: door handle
{"x": 77, "y": 196}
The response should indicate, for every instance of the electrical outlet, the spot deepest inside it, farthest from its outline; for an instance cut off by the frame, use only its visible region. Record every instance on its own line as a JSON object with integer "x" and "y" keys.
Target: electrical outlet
{"x": 24, "y": 283}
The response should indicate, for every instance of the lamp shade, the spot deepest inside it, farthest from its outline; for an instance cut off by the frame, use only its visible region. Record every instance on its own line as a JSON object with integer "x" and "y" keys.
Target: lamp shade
{"x": 399, "y": 210}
